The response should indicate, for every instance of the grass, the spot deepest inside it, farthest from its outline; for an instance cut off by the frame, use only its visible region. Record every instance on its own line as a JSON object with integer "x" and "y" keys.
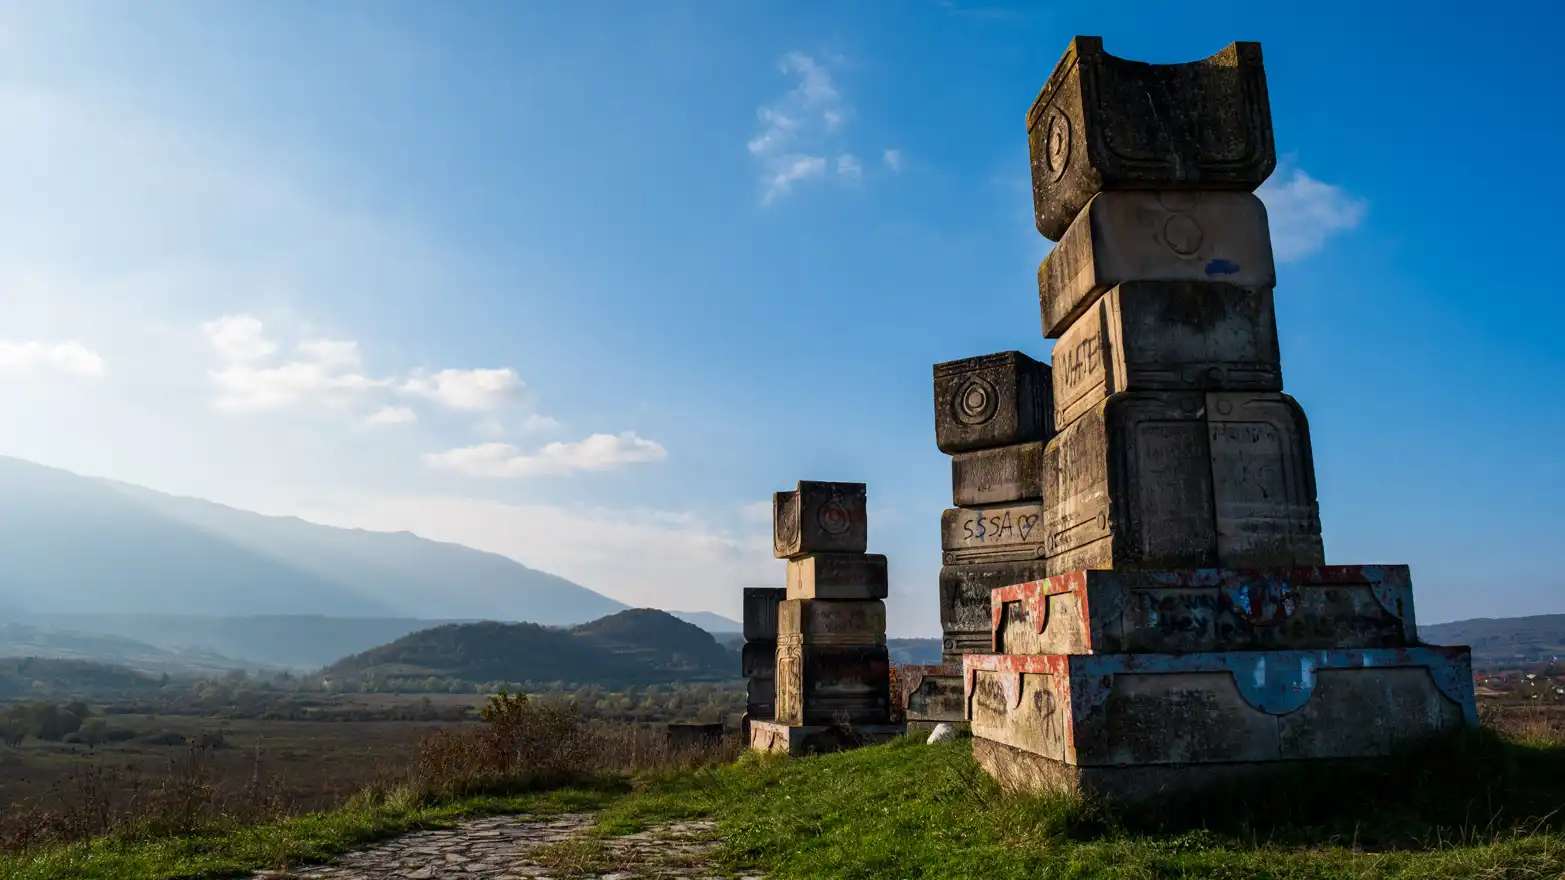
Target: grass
{"x": 1485, "y": 805}
{"x": 909, "y": 810}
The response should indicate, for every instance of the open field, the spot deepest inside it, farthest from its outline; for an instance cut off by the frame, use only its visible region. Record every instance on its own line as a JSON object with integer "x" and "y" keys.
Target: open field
{"x": 1487, "y": 805}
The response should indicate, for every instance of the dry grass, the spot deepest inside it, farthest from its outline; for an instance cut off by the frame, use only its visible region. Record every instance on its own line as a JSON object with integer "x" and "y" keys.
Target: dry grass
{"x": 522, "y": 746}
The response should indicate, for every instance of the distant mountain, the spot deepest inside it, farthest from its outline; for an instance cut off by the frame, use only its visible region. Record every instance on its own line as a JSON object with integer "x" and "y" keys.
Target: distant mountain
{"x": 1504, "y": 641}
{"x": 915, "y": 652}
{"x": 70, "y": 543}
{"x": 20, "y": 641}
{"x": 634, "y": 647}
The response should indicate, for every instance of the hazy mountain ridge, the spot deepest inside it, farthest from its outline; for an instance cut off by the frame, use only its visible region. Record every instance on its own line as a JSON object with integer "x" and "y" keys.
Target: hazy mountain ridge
{"x": 73, "y": 543}
{"x": 1503, "y": 641}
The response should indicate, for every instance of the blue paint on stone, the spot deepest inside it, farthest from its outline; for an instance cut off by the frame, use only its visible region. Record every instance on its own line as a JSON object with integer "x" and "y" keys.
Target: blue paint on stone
{"x": 1222, "y": 267}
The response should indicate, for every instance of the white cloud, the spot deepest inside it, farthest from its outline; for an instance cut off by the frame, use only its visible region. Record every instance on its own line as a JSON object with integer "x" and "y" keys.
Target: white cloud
{"x": 483, "y": 389}
{"x": 537, "y": 423}
{"x": 598, "y": 452}
{"x": 392, "y": 415}
{"x": 239, "y": 338}
{"x": 757, "y": 511}
{"x": 71, "y": 358}
{"x": 800, "y": 130}
{"x": 1303, "y": 212}
{"x": 893, "y": 160}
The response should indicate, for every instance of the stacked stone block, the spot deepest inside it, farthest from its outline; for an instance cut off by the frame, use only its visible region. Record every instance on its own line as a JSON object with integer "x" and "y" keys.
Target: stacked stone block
{"x": 1184, "y": 628}
{"x": 993, "y": 416}
{"x": 832, "y": 670}
{"x": 758, "y": 657}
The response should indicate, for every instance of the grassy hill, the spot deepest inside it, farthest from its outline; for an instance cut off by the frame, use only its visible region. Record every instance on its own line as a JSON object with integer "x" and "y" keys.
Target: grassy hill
{"x": 21, "y": 677}
{"x": 20, "y": 640}
{"x": 1505, "y": 641}
{"x": 635, "y": 647}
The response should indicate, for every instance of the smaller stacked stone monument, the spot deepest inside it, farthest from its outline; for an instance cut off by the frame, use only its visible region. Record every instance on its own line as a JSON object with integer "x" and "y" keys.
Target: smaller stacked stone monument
{"x": 758, "y": 657}
{"x": 832, "y": 672}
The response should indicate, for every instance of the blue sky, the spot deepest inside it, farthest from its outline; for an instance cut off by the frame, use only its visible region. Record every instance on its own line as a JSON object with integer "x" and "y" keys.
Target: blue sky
{"x": 584, "y": 283}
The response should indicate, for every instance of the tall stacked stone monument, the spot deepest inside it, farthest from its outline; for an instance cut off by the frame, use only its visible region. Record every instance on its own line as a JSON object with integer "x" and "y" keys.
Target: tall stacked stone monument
{"x": 1182, "y": 626}
{"x": 832, "y": 672}
{"x": 758, "y": 657}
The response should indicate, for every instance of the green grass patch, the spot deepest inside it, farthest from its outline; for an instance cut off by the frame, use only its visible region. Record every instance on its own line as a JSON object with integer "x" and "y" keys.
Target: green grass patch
{"x": 315, "y": 837}
{"x": 1478, "y": 807}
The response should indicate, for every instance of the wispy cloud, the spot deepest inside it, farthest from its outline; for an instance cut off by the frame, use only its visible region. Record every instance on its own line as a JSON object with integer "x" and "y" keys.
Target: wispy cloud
{"x": 1304, "y": 212}
{"x": 71, "y": 358}
{"x": 392, "y": 415}
{"x": 468, "y": 389}
{"x": 893, "y": 160}
{"x": 598, "y": 452}
{"x": 802, "y": 129}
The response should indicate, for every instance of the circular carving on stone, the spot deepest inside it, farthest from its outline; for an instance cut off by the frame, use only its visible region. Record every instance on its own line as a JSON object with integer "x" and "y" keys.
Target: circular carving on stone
{"x": 1056, "y": 144}
{"x": 1188, "y": 406}
{"x": 1103, "y": 522}
{"x": 1183, "y": 234}
{"x": 1177, "y": 200}
{"x": 834, "y": 518}
{"x": 1225, "y": 407}
{"x": 1215, "y": 376}
{"x": 976, "y": 402}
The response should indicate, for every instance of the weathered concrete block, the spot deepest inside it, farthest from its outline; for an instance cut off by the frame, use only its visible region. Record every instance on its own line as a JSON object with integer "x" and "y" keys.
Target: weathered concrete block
{"x": 1107, "y": 710}
{"x": 965, "y": 615}
{"x": 992, "y": 534}
{"x": 819, "y": 517}
{"x": 1122, "y": 237}
{"x": 837, "y": 576}
{"x": 933, "y": 693}
{"x": 1263, "y": 478}
{"x": 1130, "y": 484}
{"x": 758, "y": 659}
{"x": 1003, "y": 475}
{"x": 760, "y": 612}
{"x": 1106, "y": 123}
{"x": 1207, "y": 609}
{"x": 992, "y": 400}
{"x": 797, "y": 740}
{"x": 832, "y": 684}
{"x": 1167, "y": 336}
{"x": 833, "y": 622}
{"x": 762, "y": 690}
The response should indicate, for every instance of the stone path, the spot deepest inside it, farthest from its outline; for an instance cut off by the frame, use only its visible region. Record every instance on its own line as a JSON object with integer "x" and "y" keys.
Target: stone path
{"x": 527, "y": 848}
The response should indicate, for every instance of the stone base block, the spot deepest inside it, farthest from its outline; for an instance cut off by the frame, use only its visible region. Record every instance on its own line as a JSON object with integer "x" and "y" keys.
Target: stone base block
{"x": 796, "y": 740}
{"x": 992, "y": 400}
{"x": 760, "y": 612}
{"x": 932, "y": 693}
{"x": 758, "y": 659}
{"x": 819, "y": 517}
{"x": 1118, "y": 710}
{"x": 822, "y": 622}
{"x": 964, "y": 598}
{"x": 1003, "y": 475}
{"x": 1209, "y": 609}
{"x": 1021, "y": 771}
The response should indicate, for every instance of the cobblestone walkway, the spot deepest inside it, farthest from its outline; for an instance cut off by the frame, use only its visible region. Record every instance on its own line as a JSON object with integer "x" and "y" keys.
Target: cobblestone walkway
{"x": 524, "y": 848}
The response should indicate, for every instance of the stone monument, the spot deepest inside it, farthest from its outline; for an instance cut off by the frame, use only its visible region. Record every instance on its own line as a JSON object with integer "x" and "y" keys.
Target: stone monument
{"x": 832, "y": 672}
{"x": 1160, "y": 614}
{"x": 758, "y": 657}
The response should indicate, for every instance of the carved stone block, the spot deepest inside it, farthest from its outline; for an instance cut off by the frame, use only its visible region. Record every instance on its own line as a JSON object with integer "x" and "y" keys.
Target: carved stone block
{"x": 831, "y": 622}
{"x": 798, "y": 740}
{"x": 1167, "y": 336}
{"x": 998, "y": 476}
{"x": 992, "y": 400}
{"x": 1133, "y": 710}
{"x": 760, "y": 612}
{"x": 1106, "y": 123}
{"x": 837, "y": 576}
{"x": 932, "y": 693}
{"x": 1130, "y": 484}
{"x": 965, "y": 616}
{"x": 995, "y": 533}
{"x": 1164, "y": 235}
{"x": 758, "y": 659}
{"x": 819, "y": 517}
{"x": 832, "y": 683}
{"x": 1263, "y": 477}
{"x": 1181, "y": 611}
